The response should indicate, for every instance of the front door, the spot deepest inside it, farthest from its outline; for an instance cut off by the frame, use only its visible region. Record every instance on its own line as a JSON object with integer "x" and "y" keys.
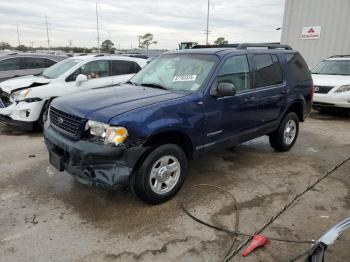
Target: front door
{"x": 232, "y": 117}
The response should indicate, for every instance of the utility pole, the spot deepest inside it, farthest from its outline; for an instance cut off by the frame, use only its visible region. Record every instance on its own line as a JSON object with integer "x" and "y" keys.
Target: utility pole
{"x": 207, "y": 30}
{"x": 47, "y": 34}
{"x": 98, "y": 30}
{"x": 19, "y": 42}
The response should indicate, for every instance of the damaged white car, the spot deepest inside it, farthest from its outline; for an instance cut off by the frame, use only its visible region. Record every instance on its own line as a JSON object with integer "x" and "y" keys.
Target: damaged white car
{"x": 24, "y": 100}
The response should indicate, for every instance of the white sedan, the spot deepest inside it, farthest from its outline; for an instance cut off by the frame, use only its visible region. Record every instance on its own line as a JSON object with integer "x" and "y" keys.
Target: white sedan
{"x": 24, "y": 100}
{"x": 332, "y": 83}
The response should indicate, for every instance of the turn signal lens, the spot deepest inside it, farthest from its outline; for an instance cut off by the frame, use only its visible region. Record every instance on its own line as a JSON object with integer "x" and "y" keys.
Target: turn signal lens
{"x": 116, "y": 135}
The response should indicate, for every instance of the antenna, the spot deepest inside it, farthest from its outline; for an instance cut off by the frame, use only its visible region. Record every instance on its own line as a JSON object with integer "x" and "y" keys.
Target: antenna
{"x": 47, "y": 34}
{"x": 19, "y": 42}
{"x": 98, "y": 30}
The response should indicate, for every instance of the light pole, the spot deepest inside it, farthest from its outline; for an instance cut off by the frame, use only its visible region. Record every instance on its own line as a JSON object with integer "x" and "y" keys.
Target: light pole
{"x": 207, "y": 30}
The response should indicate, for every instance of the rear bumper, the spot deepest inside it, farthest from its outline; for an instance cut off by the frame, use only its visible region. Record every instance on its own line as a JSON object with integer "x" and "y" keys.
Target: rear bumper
{"x": 94, "y": 163}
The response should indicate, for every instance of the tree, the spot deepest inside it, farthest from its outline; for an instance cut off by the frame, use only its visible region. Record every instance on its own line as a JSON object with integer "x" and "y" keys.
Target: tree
{"x": 146, "y": 40}
{"x": 221, "y": 41}
{"x": 107, "y": 46}
{"x": 4, "y": 45}
{"x": 22, "y": 48}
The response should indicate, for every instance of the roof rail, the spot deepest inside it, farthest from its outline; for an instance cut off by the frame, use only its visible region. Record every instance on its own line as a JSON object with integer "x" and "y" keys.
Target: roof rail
{"x": 335, "y": 56}
{"x": 215, "y": 46}
{"x": 99, "y": 55}
{"x": 268, "y": 46}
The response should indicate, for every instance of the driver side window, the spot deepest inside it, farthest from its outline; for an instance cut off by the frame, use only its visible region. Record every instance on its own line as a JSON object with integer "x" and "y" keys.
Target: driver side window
{"x": 92, "y": 70}
{"x": 236, "y": 71}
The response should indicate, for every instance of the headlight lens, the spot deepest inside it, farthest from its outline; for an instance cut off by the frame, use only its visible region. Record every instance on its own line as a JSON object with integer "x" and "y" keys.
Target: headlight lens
{"x": 20, "y": 95}
{"x": 109, "y": 134}
{"x": 342, "y": 89}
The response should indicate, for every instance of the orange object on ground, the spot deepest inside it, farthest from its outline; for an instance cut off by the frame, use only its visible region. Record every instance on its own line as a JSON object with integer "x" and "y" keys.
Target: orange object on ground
{"x": 257, "y": 241}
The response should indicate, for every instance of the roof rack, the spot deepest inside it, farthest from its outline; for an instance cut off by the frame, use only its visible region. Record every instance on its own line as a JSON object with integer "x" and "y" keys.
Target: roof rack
{"x": 99, "y": 55}
{"x": 268, "y": 46}
{"x": 335, "y": 56}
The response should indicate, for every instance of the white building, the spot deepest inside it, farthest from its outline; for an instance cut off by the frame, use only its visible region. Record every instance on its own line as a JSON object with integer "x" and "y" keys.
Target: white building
{"x": 317, "y": 28}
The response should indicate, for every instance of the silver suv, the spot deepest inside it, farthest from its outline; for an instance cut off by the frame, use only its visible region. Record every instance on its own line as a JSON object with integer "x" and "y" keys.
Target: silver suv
{"x": 21, "y": 64}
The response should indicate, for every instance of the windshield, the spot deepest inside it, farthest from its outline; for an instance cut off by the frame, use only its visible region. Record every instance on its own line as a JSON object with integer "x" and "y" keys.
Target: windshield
{"x": 60, "y": 68}
{"x": 332, "y": 67}
{"x": 177, "y": 72}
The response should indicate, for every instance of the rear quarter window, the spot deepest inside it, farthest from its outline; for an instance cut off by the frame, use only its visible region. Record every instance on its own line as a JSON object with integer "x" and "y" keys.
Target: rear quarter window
{"x": 297, "y": 67}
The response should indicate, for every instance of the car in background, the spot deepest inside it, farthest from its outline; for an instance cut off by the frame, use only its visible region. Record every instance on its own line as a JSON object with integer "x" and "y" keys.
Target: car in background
{"x": 21, "y": 64}
{"x": 332, "y": 83}
{"x": 184, "y": 103}
{"x": 24, "y": 100}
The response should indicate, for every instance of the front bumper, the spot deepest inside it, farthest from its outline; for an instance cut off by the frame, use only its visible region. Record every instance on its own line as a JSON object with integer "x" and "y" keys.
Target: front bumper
{"x": 22, "y": 111}
{"x": 94, "y": 163}
{"x": 18, "y": 125}
{"x": 332, "y": 100}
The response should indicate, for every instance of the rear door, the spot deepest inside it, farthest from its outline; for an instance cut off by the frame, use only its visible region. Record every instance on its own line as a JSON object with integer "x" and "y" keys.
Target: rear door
{"x": 233, "y": 117}
{"x": 123, "y": 70}
{"x": 271, "y": 88}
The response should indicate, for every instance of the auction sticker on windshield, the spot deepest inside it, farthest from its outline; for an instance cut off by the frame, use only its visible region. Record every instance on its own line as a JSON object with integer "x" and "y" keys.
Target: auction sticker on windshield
{"x": 180, "y": 78}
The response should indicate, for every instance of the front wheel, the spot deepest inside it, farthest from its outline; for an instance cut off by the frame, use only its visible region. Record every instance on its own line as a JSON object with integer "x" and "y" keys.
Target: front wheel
{"x": 161, "y": 174}
{"x": 286, "y": 135}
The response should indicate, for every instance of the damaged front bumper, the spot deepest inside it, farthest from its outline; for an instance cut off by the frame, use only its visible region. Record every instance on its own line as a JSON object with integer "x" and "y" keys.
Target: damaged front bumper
{"x": 92, "y": 163}
{"x": 21, "y": 115}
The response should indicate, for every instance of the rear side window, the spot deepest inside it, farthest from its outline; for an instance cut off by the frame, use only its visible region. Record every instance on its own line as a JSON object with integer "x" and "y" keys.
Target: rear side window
{"x": 236, "y": 71}
{"x": 10, "y": 64}
{"x": 297, "y": 67}
{"x": 120, "y": 67}
{"x": 268, "y": 70}
{"x": 35, "y": 62}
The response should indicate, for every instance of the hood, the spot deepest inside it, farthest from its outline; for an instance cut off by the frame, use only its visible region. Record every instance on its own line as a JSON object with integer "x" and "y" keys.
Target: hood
{"x": 330, "y": 80}
{"x": 22, "y": 82}
{"x": 105, "y": 103}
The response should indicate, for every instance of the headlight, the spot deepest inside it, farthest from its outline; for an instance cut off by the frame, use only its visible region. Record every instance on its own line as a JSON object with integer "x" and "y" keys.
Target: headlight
{"x": 20, "y": 95}
{"x": 109, "y": 134}
{"x": 343, "y": 89}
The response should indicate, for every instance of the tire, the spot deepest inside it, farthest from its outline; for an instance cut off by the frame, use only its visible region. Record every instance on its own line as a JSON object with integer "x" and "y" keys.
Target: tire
{"x": 39, "y": 124}
{"x": 150, "y": 181}
{"x": 282, "y": 139}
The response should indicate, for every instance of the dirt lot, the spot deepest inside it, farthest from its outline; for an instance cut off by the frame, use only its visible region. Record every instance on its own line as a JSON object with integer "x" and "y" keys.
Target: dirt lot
{"x": 48, "y": 216}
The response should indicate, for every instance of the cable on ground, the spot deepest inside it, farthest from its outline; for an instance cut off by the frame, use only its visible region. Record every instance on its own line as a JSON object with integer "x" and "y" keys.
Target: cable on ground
{"x": 231, "y": 253}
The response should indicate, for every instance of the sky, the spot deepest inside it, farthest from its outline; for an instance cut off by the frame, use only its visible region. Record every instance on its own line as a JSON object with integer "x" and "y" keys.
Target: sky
{"x": 170, "y": 21}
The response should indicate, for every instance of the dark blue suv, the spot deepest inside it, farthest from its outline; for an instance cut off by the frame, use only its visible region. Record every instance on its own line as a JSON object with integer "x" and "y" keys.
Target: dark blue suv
{"x": 184, "y": 103}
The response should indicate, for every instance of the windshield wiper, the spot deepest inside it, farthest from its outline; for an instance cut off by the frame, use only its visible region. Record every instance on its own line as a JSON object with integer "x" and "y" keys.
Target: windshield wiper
{"x": 154, "y": 85}
{"x": 131, "y": 83}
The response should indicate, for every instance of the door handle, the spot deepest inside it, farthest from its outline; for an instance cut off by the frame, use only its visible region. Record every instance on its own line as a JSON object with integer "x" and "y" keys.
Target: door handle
{"x": 249, "y": 99}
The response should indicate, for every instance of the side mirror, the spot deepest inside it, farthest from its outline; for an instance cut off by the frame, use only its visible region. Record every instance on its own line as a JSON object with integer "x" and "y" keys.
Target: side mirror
{"x": 80, "y": 79}
{"x": 226, "y": 89}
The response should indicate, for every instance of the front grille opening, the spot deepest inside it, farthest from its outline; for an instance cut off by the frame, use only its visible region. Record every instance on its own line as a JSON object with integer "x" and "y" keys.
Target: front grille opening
{"x": 65, "y": 122}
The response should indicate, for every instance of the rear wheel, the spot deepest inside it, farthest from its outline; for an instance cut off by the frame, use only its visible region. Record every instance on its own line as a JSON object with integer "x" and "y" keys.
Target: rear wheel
{"x": 286, "y": 135}
{"x": 161, "y": 174}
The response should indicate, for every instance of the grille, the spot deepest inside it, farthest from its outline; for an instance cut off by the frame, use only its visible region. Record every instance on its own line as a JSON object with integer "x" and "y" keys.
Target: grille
{"x": 4, "y": 99}
{"x": 66, "y": 122}
{"x": 323, "y": 89}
